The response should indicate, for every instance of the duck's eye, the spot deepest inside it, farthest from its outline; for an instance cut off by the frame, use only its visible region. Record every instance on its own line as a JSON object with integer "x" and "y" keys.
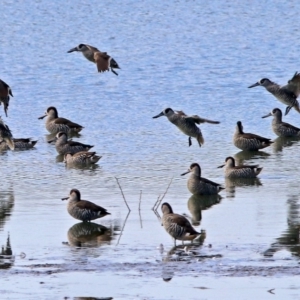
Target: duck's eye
{"x": 263, "y": 80}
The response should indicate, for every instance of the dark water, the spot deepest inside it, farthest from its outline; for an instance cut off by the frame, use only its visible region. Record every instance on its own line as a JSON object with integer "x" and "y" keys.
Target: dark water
{"x": 196, "y": 57}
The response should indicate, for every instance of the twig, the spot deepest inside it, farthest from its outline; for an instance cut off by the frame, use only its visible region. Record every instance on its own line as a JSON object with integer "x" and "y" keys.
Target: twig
{"x": 122, "y": 194}
{"x": 153, "y": 208}
{"x": 158, "y": 216}
{"x": 123, "y": 228}
{"x": 163, "y": 196}
{"x": 140, "y": 200}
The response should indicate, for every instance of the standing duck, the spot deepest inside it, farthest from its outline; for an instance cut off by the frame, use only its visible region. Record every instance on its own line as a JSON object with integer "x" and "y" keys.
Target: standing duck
{"x": 81, "y": 158}
{"x": 63, "y": 145}
{"x": 245, "y": 171}
{"x": 82, "y": 209}
{"x": 177, "y": 226}
{"x": 281, "y": 128}
{"x": 54, "y": 124}
{"x": 249, "y": 141}
{"x": 198, "y": 185}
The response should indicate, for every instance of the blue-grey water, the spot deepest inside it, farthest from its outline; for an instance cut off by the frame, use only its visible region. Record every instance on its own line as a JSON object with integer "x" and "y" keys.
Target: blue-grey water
{"x": 198, "y": 57}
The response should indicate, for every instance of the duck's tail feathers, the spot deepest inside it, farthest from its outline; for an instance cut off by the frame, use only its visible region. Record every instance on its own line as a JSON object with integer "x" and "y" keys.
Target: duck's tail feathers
{"x": 258, "y": 170}
{"x": 200, "y": 140}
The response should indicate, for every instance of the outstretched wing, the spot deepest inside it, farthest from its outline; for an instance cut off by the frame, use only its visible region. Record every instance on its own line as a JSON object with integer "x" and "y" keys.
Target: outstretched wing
{"x": 293, "y": 85}
{"x": 102, "y": 61}
{"x": 199, "y": 120}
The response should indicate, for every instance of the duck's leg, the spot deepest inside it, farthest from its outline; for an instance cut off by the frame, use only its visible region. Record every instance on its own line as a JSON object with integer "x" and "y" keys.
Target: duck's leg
{"x": 114, "y": 71}
{"x": 288, "y": 108}
{"x": 190, "y": 141}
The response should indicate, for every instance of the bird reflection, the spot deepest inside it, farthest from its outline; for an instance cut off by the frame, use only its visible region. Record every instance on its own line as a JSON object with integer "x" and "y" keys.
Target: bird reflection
{"x": 187, "y": 251}
{"x": 6, "y": 258}
{"x": 88, "y": 234}
{"x": 52, "y": 136}
{"x": 91, "y": 167}
{"x": 241, "y": 156}
{"x": 290, "y": 238}
{"x": 197, "y": 203}
{"x": 231, "y": 183}
{"x": 7, "y": 201}
{"x": 282, "y": 142}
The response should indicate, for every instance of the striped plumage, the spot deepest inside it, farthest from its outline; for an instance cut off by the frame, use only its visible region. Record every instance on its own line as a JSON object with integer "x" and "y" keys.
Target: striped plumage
{"x": 54, "y": 124}
{"x": 187, "y": 124}
{"x": 244, "y": 171}
{"x": 63, "y": 145}
{"x": 281, "y": 128}
{"x": 6, "y": 135}
{"x": 20, "y": 144}
{"x": 177, "y": 226}
{"x": 5, "y": 92}
{"x": 101, "y": 59}
{"x": 249, "y": 141}
{"x": 82, "y": 209}
{"x": 286, "y": 94}
{"x": 198, "y": 185}
{"x": 81, "y": 158}
{"x": 88, "y": 234}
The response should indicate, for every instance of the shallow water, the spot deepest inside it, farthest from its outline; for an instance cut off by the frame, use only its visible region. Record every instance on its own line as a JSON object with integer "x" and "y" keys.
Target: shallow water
{"x": 194, "y": 57}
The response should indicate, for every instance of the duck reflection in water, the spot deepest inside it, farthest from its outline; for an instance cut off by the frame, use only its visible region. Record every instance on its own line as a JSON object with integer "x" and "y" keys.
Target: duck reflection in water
{"x": 243, "y": 156}
{"x": 7, "y": 201}
{"x": 88, "y": 234}
{"x": 6, "y": 258}
{"x": 290, "y": 238}
{"x": 197, "y": 203}
{"x": 284, "y": 142}
{"x": 232, "y": 183}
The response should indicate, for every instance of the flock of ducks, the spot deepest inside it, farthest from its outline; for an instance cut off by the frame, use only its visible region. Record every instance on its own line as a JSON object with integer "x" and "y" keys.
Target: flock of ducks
{"x": 176, "y": 225}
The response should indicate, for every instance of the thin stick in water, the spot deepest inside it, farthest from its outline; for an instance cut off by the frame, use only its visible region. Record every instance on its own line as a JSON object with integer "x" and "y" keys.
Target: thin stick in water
{"x": 140, "y": 200}
{"x": 122, "y": 194}
{"x": 163, "y": 196}
{"x": 140, "y": 209}
{"x": 154, "y": 206}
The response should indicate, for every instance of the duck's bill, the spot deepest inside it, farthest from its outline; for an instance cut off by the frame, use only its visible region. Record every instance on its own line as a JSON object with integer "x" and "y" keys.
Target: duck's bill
{"x": 52, "y": 140}
{"x": 253, "y": 85}
{"x": 188, "y": 171}
{"x": 66, "y": 198}
{"x": 268, "y": 115}
{"x": 42, "y": 117}
{"x": 159, "y": 115}
{"x": 221, "y": 166}
{"x": 72, "y": 50}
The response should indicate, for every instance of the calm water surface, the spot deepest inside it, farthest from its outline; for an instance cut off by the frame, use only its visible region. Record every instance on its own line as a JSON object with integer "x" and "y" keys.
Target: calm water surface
{"x": 187, "y": 55}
